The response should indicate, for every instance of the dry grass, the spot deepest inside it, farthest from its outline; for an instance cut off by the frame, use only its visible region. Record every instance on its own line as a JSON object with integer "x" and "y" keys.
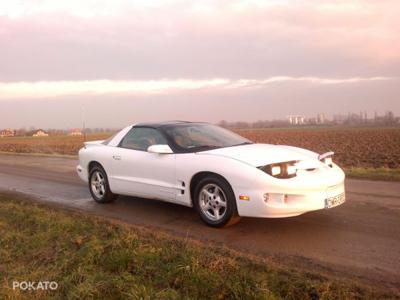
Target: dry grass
{"x": 91, "y": 258}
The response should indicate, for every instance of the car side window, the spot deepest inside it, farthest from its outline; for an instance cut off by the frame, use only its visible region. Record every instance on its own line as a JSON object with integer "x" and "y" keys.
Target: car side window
{"x": 141, "y": 138}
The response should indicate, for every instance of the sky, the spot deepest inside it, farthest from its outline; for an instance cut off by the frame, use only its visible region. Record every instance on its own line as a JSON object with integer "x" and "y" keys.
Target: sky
{"x": 119, "y": 62}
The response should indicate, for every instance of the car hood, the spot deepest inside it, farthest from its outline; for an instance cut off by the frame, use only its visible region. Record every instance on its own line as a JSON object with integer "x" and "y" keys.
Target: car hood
{"x": 263, "y": 154}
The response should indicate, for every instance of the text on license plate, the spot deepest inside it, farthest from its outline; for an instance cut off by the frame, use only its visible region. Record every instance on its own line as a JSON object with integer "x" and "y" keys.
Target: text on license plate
{"x": 335, "y": 200}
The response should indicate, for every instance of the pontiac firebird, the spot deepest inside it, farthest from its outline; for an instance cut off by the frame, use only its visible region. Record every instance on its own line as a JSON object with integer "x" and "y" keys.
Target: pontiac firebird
{"x": 221, "y": 174}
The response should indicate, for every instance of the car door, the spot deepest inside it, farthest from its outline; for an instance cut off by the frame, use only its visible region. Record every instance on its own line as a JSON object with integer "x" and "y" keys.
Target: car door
{"x": 136, "y": 172}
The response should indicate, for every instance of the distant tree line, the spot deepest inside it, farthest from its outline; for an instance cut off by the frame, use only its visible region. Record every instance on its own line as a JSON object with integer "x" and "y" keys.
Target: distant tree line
{"x": 351, "y": 119}
{"x": 257, "y": 124}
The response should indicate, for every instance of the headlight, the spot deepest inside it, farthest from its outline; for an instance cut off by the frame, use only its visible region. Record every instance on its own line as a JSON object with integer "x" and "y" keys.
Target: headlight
{"x": 276, "y": 170}
{"x": 281, "y": 170}
{"x": 291, "y": 170}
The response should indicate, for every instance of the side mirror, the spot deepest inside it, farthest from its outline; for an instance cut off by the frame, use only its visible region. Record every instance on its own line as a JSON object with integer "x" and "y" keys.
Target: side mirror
{"x": 160, "y": 149}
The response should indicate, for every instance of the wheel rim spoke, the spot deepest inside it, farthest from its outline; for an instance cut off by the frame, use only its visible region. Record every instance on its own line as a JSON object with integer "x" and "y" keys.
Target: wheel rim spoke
{"x": 206, "y": 206}
{"x": 222, "y": 203}
{"x": 207, "y": 193}
{"x": 216, "y": 213}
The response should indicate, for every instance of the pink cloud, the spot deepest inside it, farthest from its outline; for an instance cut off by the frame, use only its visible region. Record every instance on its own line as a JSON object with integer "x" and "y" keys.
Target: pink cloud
{"x": 74, "y": 40}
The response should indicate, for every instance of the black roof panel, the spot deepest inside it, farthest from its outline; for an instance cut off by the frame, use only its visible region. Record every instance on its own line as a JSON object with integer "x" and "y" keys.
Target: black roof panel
{"x": 161, "y": 124}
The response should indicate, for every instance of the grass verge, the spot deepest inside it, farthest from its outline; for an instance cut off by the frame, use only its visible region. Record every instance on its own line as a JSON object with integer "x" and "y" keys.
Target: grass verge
{"x": 384, "y": 174}
{"x": 90, "y": 257}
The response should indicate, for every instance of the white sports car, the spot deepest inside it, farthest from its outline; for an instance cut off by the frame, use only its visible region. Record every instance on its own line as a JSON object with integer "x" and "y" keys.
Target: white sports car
{"x": 219, "y": 173}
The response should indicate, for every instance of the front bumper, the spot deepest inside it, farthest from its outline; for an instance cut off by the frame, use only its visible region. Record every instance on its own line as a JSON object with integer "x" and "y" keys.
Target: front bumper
{"x": 82, "y": 172}
{"x": 269, "y": 198}
{"x": 289, "y": 204}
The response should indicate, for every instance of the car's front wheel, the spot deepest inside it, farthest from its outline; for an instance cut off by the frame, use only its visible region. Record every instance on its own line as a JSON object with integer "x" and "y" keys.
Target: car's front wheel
{"x": 215, "y": 202}
{"x": 99, "y": 187}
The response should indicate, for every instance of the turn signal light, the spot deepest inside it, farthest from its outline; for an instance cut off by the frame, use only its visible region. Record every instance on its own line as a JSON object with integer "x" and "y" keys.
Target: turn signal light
{"x": 328, "y": 161}
{"x": 326, "y": 158}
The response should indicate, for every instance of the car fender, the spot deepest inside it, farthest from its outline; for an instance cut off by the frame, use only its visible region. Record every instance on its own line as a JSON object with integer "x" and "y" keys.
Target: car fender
{"x": 239, "y": 175}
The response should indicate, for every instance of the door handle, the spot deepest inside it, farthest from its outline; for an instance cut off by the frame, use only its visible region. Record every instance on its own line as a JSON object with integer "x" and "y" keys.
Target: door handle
{"x": 117, "y": 157}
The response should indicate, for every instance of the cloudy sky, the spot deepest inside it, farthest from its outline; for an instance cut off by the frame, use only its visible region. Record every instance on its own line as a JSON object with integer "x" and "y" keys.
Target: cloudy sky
{"x": 127, "y": 61}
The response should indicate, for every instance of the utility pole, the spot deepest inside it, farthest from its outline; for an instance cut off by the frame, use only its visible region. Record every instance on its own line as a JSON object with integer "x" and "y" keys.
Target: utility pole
{"x": 83, "y": 123}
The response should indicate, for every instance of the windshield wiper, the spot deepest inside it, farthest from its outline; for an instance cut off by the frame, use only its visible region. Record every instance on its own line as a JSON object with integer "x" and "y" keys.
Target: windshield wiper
{"x": 203, "y": 148}
{"x": 244, "y": 143}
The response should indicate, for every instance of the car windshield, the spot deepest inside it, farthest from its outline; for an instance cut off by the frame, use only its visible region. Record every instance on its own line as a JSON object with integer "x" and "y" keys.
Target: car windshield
{"x": 202, "y": 137}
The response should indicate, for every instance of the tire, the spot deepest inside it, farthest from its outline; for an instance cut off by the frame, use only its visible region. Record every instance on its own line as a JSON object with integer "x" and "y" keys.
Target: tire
{"x": 99, "y": 187}
{"x": 216, "y": 194}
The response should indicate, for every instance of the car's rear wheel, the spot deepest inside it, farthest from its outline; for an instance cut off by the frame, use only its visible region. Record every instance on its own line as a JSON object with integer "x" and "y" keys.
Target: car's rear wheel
{"x": 215, "y": 202}
{"x": 99, "y": 187}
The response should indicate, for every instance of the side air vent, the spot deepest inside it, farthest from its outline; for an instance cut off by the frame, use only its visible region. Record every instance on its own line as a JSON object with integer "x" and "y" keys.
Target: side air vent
{"x": 183, "y": 190}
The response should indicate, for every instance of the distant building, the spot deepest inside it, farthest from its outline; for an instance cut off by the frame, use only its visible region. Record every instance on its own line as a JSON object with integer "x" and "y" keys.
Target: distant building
{"x": 75, "y": 132}
{"x": 320, "y": 119}
{"x": 40, "y": 133}
{"x": 296, "y": 120}
{"x": 7, "y": 133}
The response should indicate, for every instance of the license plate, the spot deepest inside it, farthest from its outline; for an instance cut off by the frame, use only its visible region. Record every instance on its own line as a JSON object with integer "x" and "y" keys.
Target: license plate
{"x": 335, "y": 201}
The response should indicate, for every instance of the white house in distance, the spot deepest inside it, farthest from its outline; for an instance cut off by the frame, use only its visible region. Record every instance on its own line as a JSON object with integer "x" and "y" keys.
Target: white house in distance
{"x": 75, "y": 132}
{"x": 7, "y": 133}
{"x": 40, "y": 133}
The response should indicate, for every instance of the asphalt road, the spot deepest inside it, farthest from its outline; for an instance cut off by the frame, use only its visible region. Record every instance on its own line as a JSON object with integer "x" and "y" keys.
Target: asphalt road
{"x": 359, "y": 240}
